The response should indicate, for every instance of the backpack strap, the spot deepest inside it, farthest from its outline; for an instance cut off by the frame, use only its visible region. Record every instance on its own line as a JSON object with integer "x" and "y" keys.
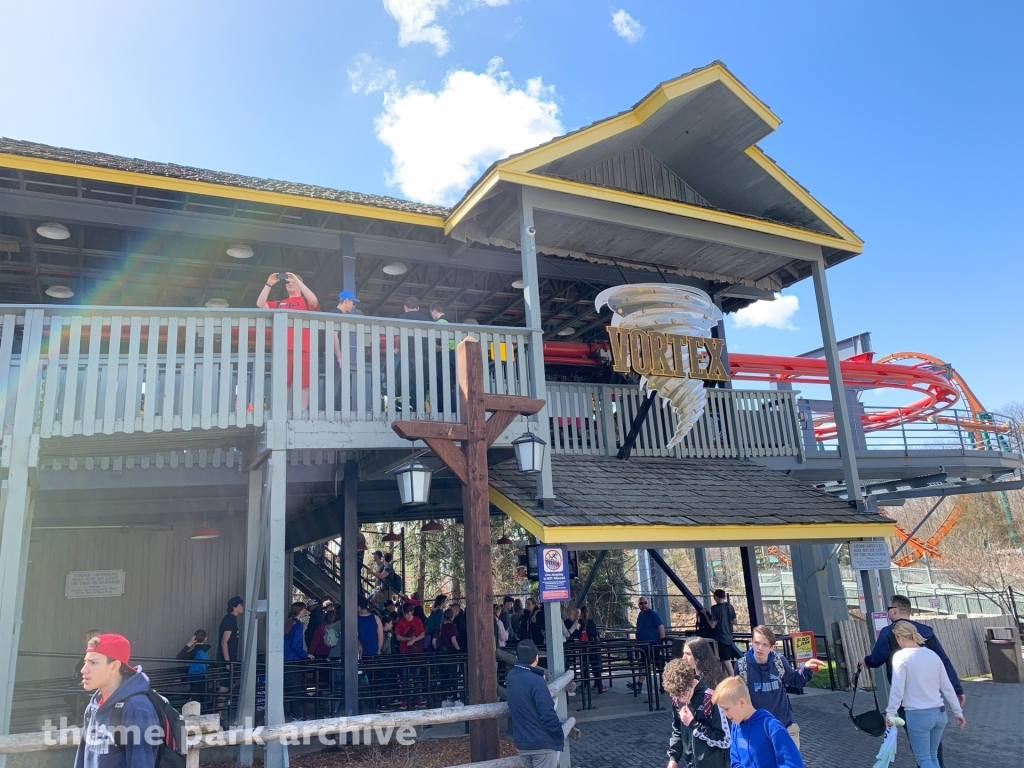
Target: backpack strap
{"x": 741, "y": 668}
{"x": 780, "y": 668}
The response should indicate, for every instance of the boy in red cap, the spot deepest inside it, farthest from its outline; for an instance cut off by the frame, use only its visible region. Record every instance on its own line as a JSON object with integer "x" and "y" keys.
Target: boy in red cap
{"x": 118, "y": 699}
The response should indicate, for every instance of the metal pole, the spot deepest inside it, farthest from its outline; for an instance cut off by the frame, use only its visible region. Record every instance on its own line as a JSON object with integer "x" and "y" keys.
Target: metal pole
{"x": 840, "y": 406}
{"x": 752, "y": 586}
{"x": 581, "y": 598}
{"x": 556, "y": 665}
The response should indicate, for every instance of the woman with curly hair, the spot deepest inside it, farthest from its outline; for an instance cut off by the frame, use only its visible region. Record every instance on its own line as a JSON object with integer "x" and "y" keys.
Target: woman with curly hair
{"x": 700, "y": 733}
{"x": 698, "y": 656}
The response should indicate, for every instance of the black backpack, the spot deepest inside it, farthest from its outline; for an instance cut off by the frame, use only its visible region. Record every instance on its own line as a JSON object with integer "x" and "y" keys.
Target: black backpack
{"x": 871, "y": 722}
{"x": 172, "y": 751}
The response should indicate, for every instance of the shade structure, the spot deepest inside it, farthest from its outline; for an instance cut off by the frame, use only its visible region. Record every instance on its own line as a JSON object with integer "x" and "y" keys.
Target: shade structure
{"x": 414, "y": 482}
{"x": 529, "y": 452}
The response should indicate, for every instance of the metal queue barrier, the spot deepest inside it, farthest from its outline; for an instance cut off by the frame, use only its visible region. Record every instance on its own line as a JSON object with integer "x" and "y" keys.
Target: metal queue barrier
{"x": 606, "y": 660}
{"x": 36, "y": 701}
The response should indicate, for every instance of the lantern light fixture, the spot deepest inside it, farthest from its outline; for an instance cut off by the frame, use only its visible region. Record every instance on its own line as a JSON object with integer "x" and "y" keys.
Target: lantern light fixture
{"x": 413, "y": 479}
{"x": 529, "y": 452}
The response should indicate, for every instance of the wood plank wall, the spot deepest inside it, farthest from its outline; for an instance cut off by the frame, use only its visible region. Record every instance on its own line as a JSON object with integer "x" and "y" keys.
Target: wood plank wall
{"x": 963, "y": 639}
{"x": 173, "y": 586}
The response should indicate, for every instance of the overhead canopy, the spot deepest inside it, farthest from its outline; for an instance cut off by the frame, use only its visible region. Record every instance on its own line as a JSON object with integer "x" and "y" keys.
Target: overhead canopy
{"x": 605, "y": 503}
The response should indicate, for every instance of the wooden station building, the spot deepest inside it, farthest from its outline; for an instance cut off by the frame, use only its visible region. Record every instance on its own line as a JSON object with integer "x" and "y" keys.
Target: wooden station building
{"x": 153, "y": 397}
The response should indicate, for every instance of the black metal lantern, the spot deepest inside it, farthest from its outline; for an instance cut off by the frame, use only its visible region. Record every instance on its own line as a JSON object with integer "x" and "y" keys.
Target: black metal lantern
{"x": 414, "y": 482}
{"x": 529, "y": 452}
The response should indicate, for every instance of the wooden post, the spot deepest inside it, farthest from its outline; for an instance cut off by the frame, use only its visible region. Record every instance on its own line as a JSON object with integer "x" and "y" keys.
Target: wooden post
{"x": 476, "y": 433}
{"x": 191, "y": 709}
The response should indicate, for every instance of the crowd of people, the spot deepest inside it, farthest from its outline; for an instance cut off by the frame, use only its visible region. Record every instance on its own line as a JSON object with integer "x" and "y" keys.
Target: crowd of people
{"x": 299, "y": 297}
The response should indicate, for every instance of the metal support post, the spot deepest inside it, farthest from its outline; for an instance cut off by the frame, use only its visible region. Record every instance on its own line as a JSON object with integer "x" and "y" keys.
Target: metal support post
{"x": 840, "y": 406}
{"x": 350, "y": 588}
{"x": 810, "y": 582}
{"x": 752, "y": 586}
{"x": 700, "y": 561}
{"x": 531, "y": 302}
{"x": 556, "y": 665}
{"x": 278, "y": 575}
{"x": 255, "y": 559}
{"x": 348, "y": 262}
{"x": 868, "y": 587}
{"x": 659, "y": 592}
{"x": 581, "y": 598}
{"x": 17, "y": 513}
{"x": 655, "y": 555}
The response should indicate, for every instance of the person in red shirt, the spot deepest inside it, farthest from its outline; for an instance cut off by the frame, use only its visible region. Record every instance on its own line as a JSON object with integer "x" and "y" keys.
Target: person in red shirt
{"x": 409, "y": 632}
{"x": 299, "y": 298}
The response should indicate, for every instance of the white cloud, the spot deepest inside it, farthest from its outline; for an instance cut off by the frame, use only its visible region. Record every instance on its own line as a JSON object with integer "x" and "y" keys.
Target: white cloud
{"x": 772, "y": 314}
{"x": 626, "y": 27}
{"x": 417, "y": 22}
{"x": 441, "y": 142}
{"x": 367, "y": 76}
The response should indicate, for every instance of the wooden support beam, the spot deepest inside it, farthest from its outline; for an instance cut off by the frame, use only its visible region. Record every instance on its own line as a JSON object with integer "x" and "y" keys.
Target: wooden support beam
{"x": 497, "y": 424}
{"x": 525, "y": 406}
{"x": 453, "y": 458}
{"x": 430, "y": 430}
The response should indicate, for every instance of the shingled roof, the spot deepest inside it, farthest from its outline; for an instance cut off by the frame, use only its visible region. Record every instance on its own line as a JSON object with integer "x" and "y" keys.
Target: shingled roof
{"x": 683, "y": 493}
{"x": 187, "y": 173}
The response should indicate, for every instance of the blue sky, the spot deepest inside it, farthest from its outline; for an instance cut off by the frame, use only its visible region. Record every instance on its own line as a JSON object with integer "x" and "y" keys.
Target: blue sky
{"x": 903, "y": 118}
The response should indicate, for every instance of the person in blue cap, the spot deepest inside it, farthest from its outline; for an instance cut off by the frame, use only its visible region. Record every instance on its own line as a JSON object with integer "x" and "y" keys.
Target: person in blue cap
{"x": 346, "y": 306}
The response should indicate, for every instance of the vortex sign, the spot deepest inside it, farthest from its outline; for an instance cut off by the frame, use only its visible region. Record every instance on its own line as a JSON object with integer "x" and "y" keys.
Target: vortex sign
{"x": 663, "y": 333}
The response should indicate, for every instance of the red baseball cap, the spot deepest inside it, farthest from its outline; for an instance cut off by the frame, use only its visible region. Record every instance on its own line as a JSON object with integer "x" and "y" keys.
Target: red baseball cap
{"x": 114, "y": 647}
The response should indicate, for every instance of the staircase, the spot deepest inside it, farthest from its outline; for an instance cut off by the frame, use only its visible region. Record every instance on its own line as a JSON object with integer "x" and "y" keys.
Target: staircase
{"x": 317, "y": 572}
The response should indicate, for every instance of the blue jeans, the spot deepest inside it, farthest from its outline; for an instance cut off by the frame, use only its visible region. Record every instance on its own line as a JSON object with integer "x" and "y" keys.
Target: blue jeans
{"x": 924, "y": 728}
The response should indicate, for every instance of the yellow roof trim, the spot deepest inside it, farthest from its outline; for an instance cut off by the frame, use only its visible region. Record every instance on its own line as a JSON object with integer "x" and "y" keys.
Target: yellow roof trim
{"x": 790, "y": 185}
{"x": 666, "y": 92}
{"x": 643, "y": 534}
{"x": 153, "y": 181}
{"x": 634, "y": 200}
{"x": 479, "y": 193}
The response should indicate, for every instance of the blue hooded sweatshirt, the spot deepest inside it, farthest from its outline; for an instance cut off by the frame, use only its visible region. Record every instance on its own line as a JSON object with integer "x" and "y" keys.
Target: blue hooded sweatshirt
{"x": 767, "y": 689}
{"x": 97, "y": 748}
{"x": 886, "y": 646}
{"x": 761, "y": 741}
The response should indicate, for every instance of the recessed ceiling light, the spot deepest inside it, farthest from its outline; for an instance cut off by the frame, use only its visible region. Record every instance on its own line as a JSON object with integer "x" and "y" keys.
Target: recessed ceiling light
{"x": 217, "y": 304}
{"x": 518, "y": 284}
{"x": 59, "y": 292}
{"x": 567, "y": 331}
{"x": 240, "y": 251}
{"x": 53, "y": 231}
{"x": 395, "y": 268}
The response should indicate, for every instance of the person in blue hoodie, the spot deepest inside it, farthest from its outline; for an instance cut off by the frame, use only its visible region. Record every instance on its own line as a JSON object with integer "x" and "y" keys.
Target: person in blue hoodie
{"x": 536, "y": 729}
{"x": 886, "y": 647}
{"x": 767, "y": 673}
{"x": 116, "y": 686}
{"x": 758, "y": 740}
{"x": 294, "y": 653}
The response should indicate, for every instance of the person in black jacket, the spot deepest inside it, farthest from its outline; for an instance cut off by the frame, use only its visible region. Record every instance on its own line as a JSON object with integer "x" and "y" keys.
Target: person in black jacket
{"x": 536, "y": 729}
{"x": 700, "y": 732}
{"x": 583, "y": 629}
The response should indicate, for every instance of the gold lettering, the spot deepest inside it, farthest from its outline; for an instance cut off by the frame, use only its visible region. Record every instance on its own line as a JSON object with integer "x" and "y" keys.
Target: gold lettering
{"x": 619, "y": 338}
{"x": 696, "y": 372}
{"x": 640, "y": 352}
{"x": 678, "y": 343}
{"x": 659, "y": 347}
{"x": 716, "y": 368}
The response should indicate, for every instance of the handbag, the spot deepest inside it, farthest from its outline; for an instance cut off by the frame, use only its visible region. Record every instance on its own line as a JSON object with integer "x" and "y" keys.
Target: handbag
{"x": 871, "y": 722}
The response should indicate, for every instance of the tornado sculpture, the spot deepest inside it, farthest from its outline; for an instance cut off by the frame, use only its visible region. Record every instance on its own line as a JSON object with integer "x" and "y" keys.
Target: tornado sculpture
{"x": 658, "y": 330}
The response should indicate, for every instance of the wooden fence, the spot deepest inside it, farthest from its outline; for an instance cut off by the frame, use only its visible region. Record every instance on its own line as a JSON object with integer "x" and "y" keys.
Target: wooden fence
{"x": 962, "y": 638}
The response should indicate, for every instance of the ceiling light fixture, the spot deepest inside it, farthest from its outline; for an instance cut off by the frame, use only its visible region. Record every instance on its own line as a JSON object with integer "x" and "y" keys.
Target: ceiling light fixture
{"x": 217, "y": 304}
{"x": 240, "y": 251}
{"x": 432, "y": 525}
{"x": 395, "y": 268}
{"x": 518, "y": 284}
{"x": 53, "y": 231}
{"x": 391, "y": 535}
{"x": 567, "y": 331}
{"x": 205, "y": 531}
{"x": 59, "y": 292}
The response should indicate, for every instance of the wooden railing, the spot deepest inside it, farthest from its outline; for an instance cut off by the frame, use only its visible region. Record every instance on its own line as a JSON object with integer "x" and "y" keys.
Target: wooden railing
{"x": 595, "y": 419}
{"x": 107, "y": 371}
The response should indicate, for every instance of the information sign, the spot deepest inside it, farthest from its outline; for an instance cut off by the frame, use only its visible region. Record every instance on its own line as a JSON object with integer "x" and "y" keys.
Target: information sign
{"x": 804, "y": 648}
{"x": 869, "y": 556}
{"x": 553, "y": 569}
{"x": 81, "y": 584}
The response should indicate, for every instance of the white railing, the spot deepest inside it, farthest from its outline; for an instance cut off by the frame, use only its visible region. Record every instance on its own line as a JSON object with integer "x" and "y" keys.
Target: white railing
{"x": 595, "y": 419}
{"x": 107, "y": 371}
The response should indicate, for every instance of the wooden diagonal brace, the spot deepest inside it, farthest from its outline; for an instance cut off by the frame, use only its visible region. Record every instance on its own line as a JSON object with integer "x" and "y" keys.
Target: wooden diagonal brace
{"x": 429, "y": 430}
{"x": 498, "y": 423}
{"x": 526, "y": 406}
{"x": 452, "y": 457}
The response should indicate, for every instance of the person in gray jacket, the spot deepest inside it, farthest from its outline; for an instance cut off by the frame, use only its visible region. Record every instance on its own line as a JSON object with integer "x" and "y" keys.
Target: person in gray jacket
{"x": 536, "y": 729}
